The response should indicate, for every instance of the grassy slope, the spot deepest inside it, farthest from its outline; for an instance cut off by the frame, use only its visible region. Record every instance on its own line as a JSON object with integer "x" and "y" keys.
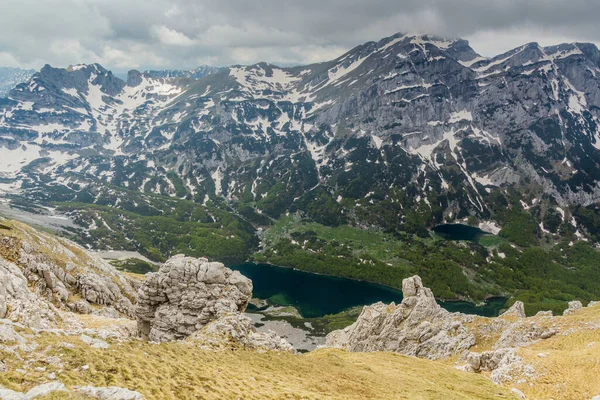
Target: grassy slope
{"x": 566, "y": 365}
{"x": 180, "y": 371}
{"x": 570, "y": 366}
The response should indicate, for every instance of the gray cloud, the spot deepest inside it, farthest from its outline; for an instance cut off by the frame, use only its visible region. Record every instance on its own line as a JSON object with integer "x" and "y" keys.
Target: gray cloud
{"x": 122, "y": 34}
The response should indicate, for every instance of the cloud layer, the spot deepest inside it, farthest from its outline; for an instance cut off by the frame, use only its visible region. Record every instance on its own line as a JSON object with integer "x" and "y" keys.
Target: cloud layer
{"x": 145, "y": 34}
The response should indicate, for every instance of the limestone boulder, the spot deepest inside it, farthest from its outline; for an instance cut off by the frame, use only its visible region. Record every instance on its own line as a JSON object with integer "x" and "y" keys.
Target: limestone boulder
{"x": 185, "y": 295}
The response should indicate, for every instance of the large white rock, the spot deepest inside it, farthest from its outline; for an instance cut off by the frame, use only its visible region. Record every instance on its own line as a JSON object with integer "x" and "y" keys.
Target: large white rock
{"x": 45, "y": 389}
{"x": 185, "y": 295}
{"x": 7, "y": 394}
{"x": 109, "y": 393}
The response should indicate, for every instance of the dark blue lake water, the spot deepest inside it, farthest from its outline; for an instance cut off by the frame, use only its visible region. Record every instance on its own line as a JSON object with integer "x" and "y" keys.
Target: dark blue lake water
{"x": 319, "y": 295}
{"x": 458, "y": 232}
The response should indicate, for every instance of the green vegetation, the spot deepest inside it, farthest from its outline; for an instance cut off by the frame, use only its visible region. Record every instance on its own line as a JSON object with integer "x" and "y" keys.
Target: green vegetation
{"x": 378, "y": 257}
{"x": 543, "y": 278}
{"x": 160, "y": 227}
{"x": 520, "y": 228}
{"x": 523, "y": 262}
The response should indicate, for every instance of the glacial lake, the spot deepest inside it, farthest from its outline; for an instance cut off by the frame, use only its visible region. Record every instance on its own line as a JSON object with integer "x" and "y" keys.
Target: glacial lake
{"x": 458, "y": 232}
{"x": 318, "y": 295}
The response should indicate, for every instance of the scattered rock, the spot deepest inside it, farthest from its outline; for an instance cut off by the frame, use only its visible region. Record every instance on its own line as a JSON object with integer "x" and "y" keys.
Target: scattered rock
{"x": 185, "y": 295}
{"x": 544, "y": 314}
{"x": 102, "y": 393}
{"x": 237, "y": 330}
{"x": 8, "y": 334}
{"x": 548, "y": 333}
{"x": 81, "y": 307}
{"x": 93, "y": 342}
{"x": 592, "y": 304}
{"x": 518, "y": 393}
{"x": 486, "y": 361}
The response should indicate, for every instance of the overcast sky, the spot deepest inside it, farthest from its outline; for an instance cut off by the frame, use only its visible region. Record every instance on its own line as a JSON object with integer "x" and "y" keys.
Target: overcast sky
{"x": 142, "y": 34}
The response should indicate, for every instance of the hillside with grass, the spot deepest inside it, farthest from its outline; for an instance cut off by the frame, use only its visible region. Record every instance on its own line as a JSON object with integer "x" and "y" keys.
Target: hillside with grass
{"x": 176, "y": 371}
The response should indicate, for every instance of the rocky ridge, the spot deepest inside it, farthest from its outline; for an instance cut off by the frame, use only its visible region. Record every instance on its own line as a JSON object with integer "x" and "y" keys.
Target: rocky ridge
{"x": 412, "y": 122}
{"x": 60, "y": 272}
{"x": 419, "y": 327}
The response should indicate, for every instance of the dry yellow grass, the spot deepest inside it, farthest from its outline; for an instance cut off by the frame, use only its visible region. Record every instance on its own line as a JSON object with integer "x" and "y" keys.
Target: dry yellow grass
{"x": 568, "y": 364}
{"x": 178, "y": 371}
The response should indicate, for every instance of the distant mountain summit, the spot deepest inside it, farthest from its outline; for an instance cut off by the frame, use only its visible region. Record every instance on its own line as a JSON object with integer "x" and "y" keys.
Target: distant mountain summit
{"x": 196, "y": 73}
{"x": 410, "y": 128}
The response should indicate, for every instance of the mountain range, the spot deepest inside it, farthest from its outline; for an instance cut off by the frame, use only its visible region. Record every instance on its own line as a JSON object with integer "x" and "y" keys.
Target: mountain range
{"x": 400, "y": 134}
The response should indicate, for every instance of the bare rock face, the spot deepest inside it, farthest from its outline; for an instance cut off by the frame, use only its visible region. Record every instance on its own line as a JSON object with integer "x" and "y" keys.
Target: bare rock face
{"x": 42, "y": 274}
{"x": 417, "y": 327}
{"x": 237, "y": 330}
{"x": 17, "y": 303}
{"x": 185, "y": 295}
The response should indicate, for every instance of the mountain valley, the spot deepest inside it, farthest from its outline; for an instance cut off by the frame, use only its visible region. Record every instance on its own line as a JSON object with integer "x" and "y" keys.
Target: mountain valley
{"x": 364, "y": 154}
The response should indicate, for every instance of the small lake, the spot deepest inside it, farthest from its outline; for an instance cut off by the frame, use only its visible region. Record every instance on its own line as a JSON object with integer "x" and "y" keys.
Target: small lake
{"x": 458, "y": 232}
{"x": 319, "y": 295}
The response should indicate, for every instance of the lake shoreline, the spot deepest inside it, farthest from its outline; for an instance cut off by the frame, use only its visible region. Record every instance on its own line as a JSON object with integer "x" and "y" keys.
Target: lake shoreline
{"x": 484, "y": 302}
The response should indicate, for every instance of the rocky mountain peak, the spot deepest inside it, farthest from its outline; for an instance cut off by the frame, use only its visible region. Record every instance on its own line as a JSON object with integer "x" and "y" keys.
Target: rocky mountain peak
{"x": 134, "y": 78}
{"x": 424, "y": 114}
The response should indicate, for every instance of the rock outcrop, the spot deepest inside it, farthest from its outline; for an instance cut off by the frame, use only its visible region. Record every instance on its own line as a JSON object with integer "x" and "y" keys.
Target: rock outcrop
{"x": 237, "y": 331}
{"x": 185, "y": 295}
{"x": 420, "y": 327}
{"x": 109, "y": 393}
{"x": 417, "y": 327}
{"x": 18, "y": 303}
{"x": 573, "y": 306}
{"x": 42, "y": 274}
